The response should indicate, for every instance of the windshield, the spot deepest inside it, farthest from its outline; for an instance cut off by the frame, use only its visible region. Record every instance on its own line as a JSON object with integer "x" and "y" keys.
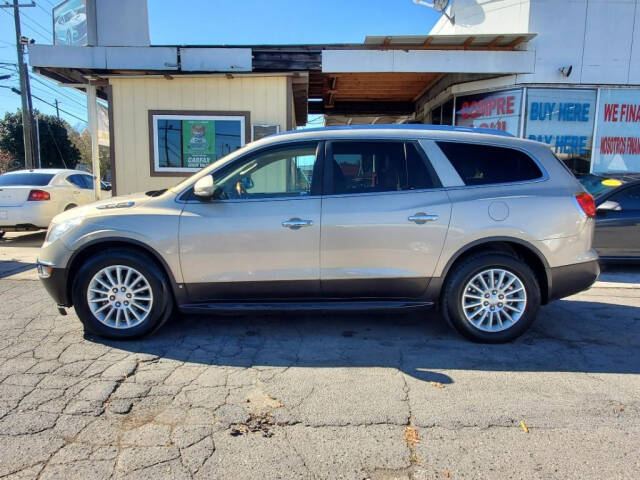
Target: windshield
{"x": 27, "y": 179}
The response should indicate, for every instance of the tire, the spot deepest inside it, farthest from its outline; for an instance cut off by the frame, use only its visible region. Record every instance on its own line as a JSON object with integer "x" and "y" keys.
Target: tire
{"x": 2, "y": 232}
{"x": 135, "y": 322}
{"x": 466, "y": 279}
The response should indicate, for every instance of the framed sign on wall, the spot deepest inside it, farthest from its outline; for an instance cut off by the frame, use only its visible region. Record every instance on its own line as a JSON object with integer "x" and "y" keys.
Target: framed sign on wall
{"x": 184, "y": 142}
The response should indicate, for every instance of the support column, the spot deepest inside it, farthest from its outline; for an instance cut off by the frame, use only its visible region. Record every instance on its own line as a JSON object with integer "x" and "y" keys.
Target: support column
{"x": 92, "y": 112}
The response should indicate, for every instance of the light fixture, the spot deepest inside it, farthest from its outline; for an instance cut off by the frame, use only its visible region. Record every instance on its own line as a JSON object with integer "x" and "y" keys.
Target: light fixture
{"x": 566, "y": 71}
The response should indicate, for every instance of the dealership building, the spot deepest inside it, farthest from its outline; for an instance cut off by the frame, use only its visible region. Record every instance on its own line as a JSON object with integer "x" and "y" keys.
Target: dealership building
{"x": 566, "y": 73}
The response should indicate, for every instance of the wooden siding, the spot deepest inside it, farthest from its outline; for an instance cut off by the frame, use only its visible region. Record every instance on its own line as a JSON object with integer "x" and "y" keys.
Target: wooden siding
{"x": 264, "y": 97}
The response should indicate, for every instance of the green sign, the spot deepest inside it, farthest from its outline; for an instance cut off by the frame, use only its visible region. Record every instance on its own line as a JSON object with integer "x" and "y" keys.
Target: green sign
{"x": 198, "y": 143}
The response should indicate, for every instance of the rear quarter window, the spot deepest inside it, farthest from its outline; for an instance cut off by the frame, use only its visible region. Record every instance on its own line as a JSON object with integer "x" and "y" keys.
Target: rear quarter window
{"x": 25, "y": 179}
{"x": 486, "y": 164}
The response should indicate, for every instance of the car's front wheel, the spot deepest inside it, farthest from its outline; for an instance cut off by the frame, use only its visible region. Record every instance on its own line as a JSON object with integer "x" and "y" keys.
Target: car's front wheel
{"x": 121, "y": 294}
{"x": 491, "y": 297}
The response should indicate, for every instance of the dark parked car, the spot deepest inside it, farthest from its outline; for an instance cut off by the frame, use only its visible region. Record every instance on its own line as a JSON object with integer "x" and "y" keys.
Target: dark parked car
{"x": 617, "y": 234}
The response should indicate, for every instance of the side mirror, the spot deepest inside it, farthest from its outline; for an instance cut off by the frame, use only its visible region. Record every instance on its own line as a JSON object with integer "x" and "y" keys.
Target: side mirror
{"x": 204, "y": 188}
{"x": 609, "y": 206}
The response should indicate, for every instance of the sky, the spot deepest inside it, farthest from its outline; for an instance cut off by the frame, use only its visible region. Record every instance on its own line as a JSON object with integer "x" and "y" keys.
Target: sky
{"x": 214, "y": 22}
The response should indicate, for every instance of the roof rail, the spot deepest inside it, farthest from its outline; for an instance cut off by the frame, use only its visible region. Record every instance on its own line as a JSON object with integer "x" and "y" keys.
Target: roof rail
{"x": 409, "y": 126}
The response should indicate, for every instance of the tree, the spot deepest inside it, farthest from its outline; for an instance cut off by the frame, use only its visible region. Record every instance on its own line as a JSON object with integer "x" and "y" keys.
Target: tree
{"x": 7, "y": 163}
{"x": 56, "y": 148}
{"x": 82, "y": 141}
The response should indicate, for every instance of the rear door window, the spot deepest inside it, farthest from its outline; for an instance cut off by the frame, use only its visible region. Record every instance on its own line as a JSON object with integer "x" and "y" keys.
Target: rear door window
{"x": 25, "y": 179}
{"x": 88, "y": 181}
{"x": 365, "y": 167}
{"x": 77, "y": 180}
{"x": 486, "y": 164}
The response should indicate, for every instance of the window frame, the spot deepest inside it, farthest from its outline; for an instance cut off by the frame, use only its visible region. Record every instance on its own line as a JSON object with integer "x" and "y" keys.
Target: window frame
{"x": 543, "y": 178}
{"x": 327, "y": 184}
{"x": 155, "y": 170}
{"x": 316, "y": 182}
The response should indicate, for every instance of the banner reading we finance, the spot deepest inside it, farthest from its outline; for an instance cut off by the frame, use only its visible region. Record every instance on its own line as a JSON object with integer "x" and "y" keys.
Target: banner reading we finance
{"x": 617, "y": 146}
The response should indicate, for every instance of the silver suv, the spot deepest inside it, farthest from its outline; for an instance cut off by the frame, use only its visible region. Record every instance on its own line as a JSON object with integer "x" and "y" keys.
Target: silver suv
{"x": 485, "y": 226}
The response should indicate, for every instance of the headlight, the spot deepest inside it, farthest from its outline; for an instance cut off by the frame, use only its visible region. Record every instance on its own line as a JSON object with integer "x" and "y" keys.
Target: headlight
{"x": 57, "y": 230}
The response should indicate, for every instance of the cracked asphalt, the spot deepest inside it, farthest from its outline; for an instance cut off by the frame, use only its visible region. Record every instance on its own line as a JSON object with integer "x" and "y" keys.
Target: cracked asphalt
{"x": 385, "y": 396}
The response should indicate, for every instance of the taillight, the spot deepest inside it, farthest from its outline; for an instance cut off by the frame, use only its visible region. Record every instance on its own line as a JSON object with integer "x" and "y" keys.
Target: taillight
{"x": 38, "y": 196}
{"x": 586, "y": 204}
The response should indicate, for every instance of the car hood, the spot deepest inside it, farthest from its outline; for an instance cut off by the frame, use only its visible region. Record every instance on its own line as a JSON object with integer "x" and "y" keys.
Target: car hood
{"x": 113, "y": 204}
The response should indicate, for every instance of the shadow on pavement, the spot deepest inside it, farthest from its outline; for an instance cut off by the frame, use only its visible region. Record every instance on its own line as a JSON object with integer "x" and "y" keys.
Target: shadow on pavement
{"x": 568, "y": 336}
{"x": 22, "y": 239}
{"x": 11, "y": 267}
{"x": 620, "y": 273}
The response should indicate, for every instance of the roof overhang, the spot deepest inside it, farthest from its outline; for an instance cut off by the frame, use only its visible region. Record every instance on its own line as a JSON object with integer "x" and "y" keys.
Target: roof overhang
{"x": 384, "y": 75}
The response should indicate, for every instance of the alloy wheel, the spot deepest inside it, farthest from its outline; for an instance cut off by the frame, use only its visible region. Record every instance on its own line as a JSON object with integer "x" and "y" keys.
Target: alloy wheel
{"x": 494, "y": 300}
{"x": 120, "y": 297}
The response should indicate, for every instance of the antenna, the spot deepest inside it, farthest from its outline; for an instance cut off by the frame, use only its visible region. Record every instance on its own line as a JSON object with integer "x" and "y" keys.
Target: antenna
{"x": 438, "y": 5}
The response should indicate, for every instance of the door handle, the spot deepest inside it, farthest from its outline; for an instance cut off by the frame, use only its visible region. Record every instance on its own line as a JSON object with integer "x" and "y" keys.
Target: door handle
{"x": 421, "y": 218}
{"x": 296, "y": 223}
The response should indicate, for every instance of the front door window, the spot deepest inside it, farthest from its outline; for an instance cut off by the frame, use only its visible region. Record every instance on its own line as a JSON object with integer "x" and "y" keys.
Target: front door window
{"x": 282, "y": 172}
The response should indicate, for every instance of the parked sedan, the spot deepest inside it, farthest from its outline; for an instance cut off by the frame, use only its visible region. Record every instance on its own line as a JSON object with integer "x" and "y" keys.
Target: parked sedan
{"x": 617, "y": 233}
{"x": 29, "y": 199}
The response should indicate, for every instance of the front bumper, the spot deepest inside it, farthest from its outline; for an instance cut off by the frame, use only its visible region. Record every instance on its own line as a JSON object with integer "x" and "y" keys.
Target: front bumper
{"x": 55, "y": 283}
{"x": 571, "y": 279}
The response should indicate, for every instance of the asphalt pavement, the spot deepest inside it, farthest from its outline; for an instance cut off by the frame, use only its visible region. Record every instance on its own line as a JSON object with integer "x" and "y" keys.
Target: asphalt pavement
{"x": 384, "y": 396}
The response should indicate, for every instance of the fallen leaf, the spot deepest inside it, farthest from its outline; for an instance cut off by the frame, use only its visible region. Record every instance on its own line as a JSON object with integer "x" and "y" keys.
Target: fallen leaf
{"x": 169, "y": 468}
{"x": 524, "y": 427}
{"x": 447, "y": 473}
{"x": 437, "y": 384}
{"x": 411, "y": 436}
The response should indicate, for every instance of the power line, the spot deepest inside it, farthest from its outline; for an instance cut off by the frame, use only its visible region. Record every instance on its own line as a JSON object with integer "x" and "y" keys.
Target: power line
{"x": 52, "y": 105}
{"x": 64, "y": 94}
{"x": 46, "y": 29}
{"x": 74, "y": 110}
{"x": 43, "y": 9}
{"x": 34, "y": 31}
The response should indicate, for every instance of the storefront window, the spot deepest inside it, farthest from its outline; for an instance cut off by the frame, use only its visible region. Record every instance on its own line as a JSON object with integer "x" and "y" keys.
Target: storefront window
{"x": 436, "y": 116}
{"x": 617, "y": 146}
{"x": 563, "y": 119}
{"x": 497, "y": 110}
{"x": 189, "y": 142}
{"x": 447, "y": 113}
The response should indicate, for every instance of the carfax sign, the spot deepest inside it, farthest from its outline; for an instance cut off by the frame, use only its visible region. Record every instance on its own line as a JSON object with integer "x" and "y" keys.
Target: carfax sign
{"x": 198, "y": 143}
{"x": 70, "y": 23}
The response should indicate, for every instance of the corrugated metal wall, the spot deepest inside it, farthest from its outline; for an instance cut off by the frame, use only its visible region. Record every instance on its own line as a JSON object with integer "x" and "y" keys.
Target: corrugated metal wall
{"x": 265, "y": 97}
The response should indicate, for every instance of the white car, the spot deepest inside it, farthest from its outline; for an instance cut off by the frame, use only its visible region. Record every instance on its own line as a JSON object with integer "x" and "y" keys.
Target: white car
{"x": 29, "y": 199}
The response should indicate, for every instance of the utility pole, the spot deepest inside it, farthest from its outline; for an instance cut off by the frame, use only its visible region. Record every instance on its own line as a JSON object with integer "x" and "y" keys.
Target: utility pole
{"x": 25, "y": 93}
{"x": 57, "y": 110}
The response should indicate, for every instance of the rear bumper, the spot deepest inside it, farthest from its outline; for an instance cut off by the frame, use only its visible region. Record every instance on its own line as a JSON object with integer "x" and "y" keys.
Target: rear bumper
{"x": 56, "y": 285}
{"x": 571, "y": 279}
{"x": 28, "y": 216}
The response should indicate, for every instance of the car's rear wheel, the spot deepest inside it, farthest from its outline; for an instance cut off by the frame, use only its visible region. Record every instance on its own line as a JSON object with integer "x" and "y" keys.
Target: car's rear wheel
{"x": 491, "y": 297}
{"x": 121, "y": 294}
